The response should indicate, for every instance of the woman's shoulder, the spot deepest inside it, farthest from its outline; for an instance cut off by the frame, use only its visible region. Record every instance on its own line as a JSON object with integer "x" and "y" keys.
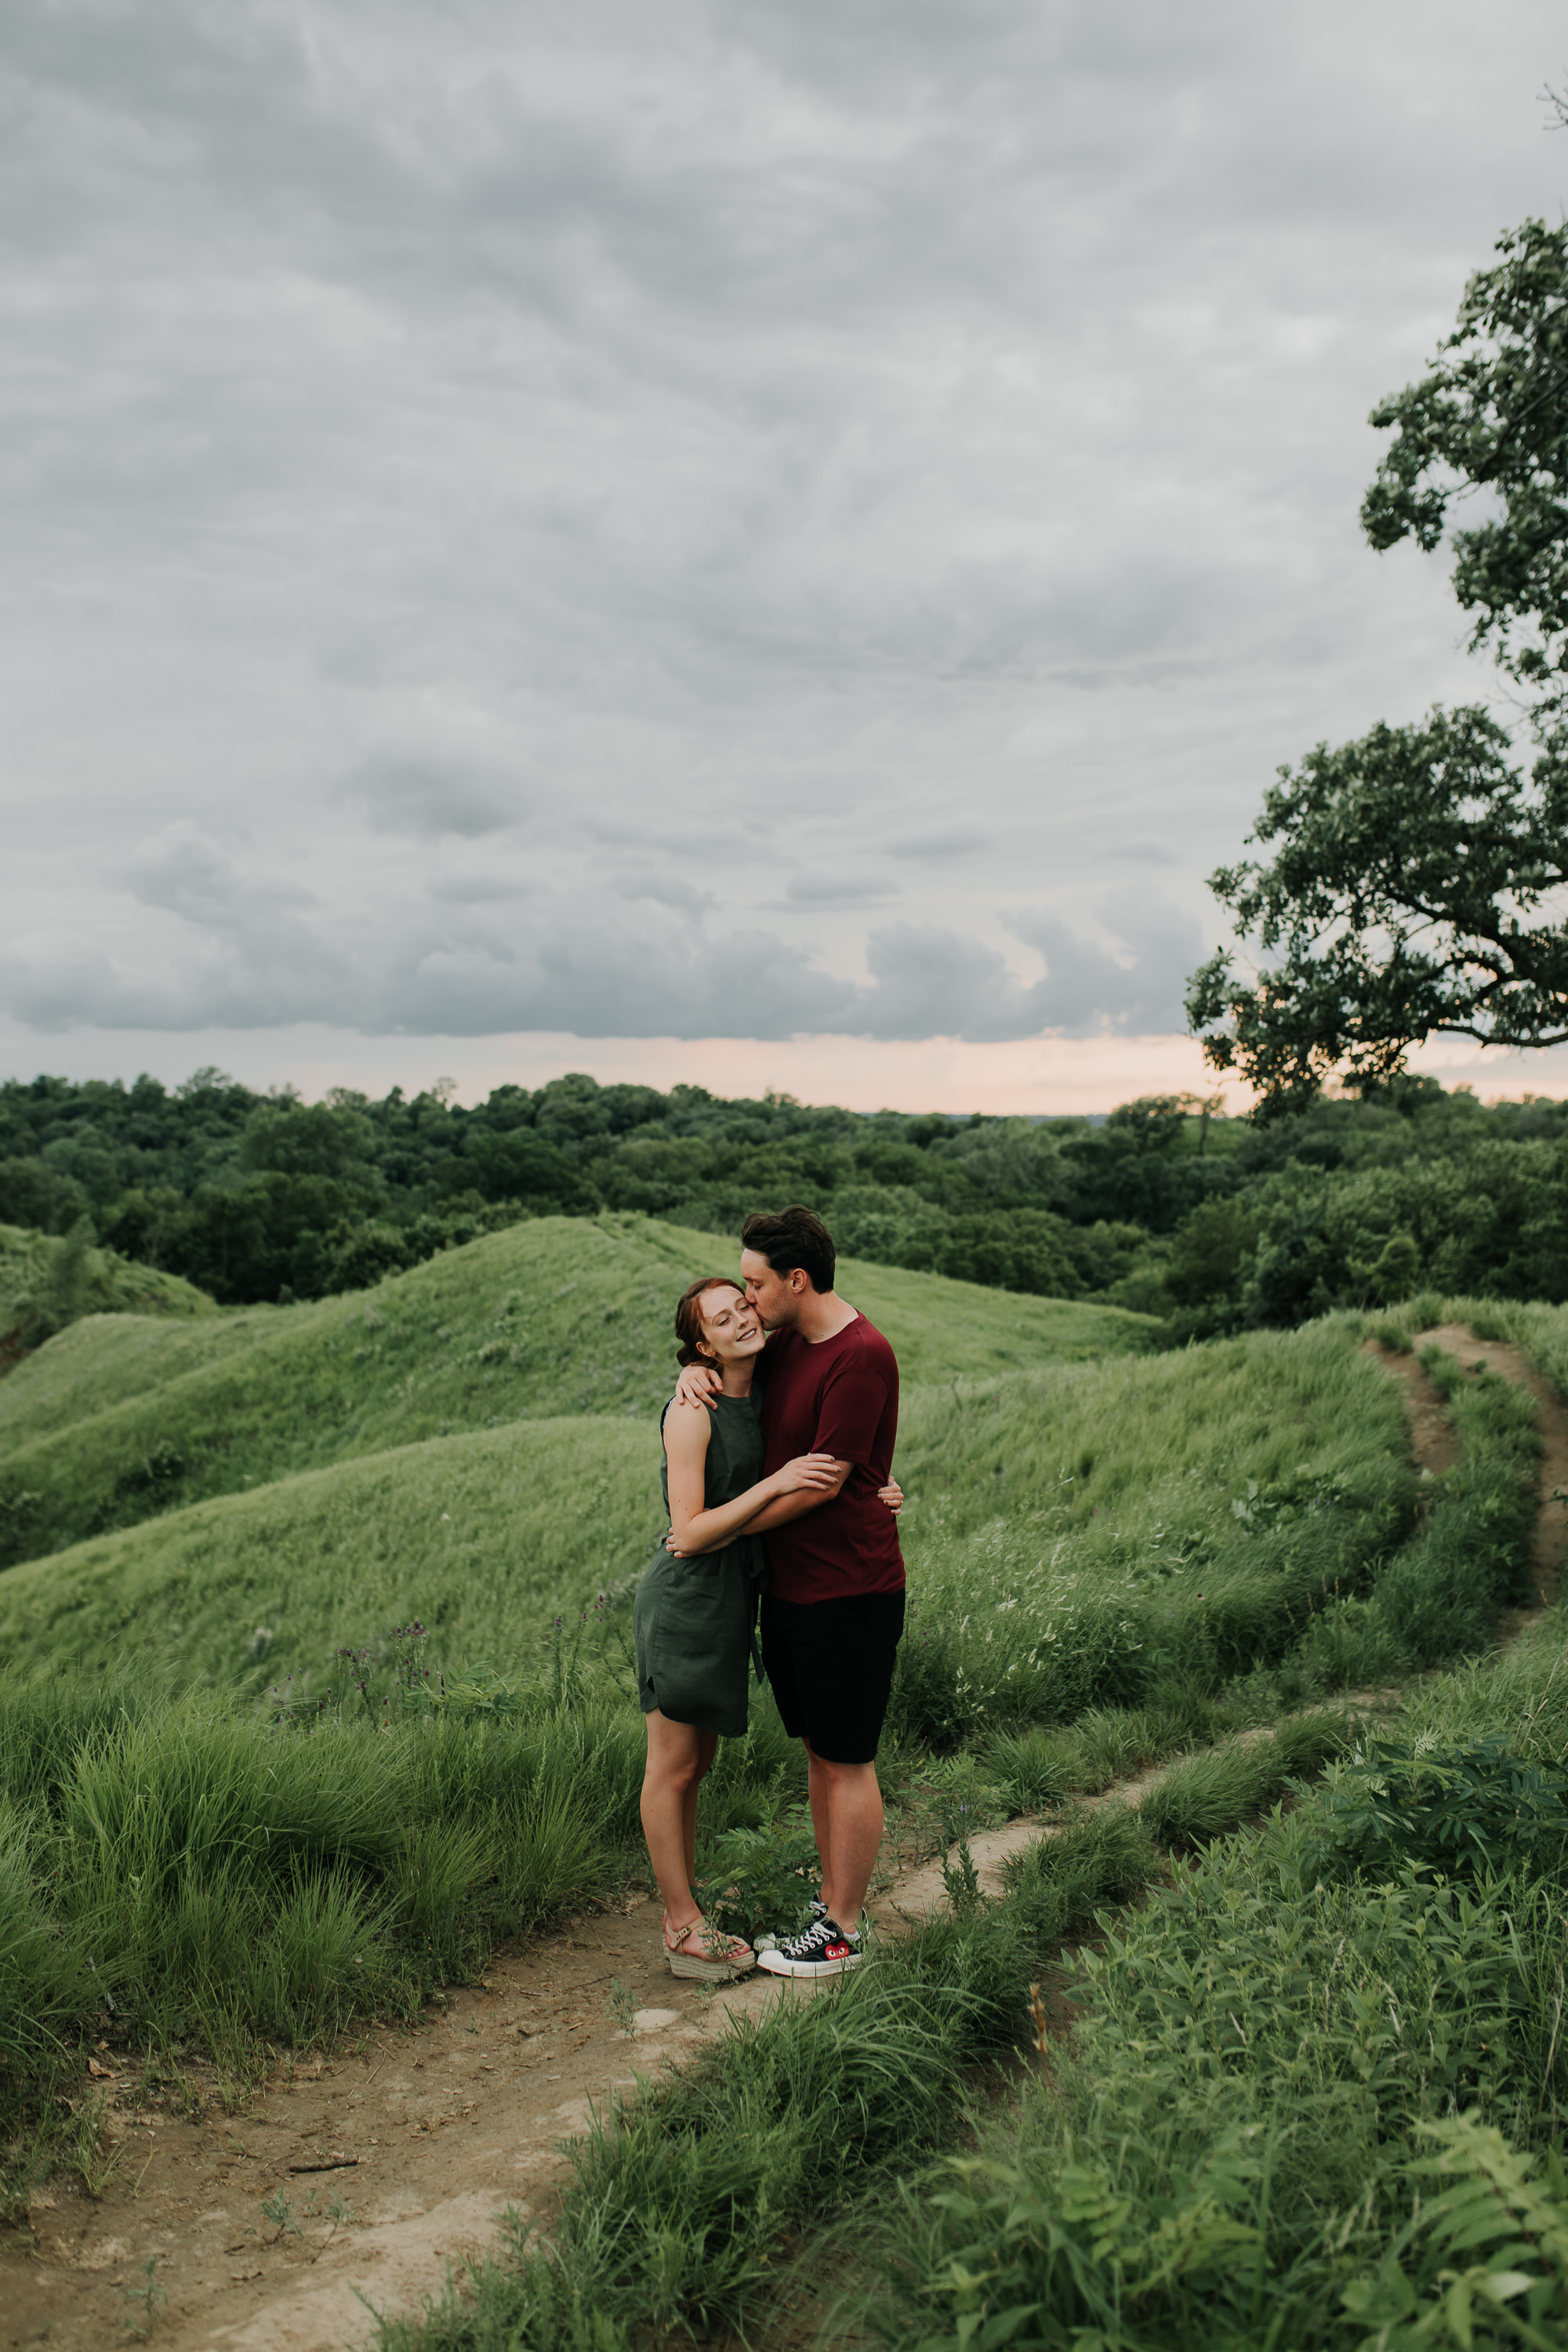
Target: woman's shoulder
{"x": 685, "y": 1428}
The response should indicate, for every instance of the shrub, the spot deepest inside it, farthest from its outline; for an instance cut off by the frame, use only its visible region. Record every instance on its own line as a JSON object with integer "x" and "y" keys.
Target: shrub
{"x": 1472, "y": 1808}
{"x": 756, "y": 1879}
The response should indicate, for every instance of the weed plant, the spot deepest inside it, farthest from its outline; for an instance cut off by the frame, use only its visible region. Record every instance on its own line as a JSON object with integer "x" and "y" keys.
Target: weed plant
{"x": 1465, "y": 1809}
{"x": 1224, "y": 2153}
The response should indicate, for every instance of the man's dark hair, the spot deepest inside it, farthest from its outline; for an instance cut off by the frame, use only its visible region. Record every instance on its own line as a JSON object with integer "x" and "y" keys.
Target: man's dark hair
{"x": 791, "y": 1237}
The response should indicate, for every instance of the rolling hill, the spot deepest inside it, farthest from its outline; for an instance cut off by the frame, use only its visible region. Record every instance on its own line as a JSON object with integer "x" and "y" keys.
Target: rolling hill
{"x": 1124, "y": 1510}
{"x": 122, "y": 1418}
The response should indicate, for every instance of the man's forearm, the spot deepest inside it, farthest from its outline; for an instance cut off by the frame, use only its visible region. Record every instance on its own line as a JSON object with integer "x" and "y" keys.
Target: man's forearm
{"x": 793, "y": 1506}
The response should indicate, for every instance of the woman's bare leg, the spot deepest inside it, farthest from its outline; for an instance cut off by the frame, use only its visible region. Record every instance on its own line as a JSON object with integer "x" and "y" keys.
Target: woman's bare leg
{"x": 707, "y": 1748}
{"x": 676, "y": 1764}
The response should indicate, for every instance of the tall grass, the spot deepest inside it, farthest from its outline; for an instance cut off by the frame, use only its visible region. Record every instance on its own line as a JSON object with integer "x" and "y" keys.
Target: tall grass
{"x": 1225, "y": 2153}
{"x": 1252, "y": 2074}
{"x": 1289, "y": 2114}
{"x": 683, "y": 2202}
{"x": 45, "y": 1284}
{"x": 484, "y": 1538}
{"x": 171, "y": 1869}
{"x": 1438, "y": 1596}
{"x": 1086, "y": 1535}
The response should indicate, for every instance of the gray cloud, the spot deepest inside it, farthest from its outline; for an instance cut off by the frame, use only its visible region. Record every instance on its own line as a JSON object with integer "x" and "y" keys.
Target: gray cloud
{"x": 664, "y": 890}
{"x": 1087, "y": 987}
{"x": 185, "y": 871}
{"x": 661, "y": 967}
{"x": 941, "y": 841}
{"x": 830, "y": 887}
{"x": 1142, "y": 850}
{"x": 425, "y": 802}
{"x": 931, "y": 982}
{"x": 522, "y": 489}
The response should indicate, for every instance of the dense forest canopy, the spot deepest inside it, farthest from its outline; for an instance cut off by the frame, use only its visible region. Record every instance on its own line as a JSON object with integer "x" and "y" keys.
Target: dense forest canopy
{"x": 1211, "y": 1224}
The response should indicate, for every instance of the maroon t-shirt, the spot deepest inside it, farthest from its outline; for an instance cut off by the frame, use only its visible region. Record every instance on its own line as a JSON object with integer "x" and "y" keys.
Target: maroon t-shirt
{"x": 839, "y": 1397}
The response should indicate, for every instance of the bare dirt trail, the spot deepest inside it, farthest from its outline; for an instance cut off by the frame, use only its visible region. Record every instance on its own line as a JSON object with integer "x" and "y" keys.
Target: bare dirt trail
{"x": 1436, "y": 1447}
{"x": 451, "y": 2121}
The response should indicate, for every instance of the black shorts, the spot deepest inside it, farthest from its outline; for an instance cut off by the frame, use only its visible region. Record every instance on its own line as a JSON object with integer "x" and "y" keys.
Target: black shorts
{"x": 831, "y": 1666}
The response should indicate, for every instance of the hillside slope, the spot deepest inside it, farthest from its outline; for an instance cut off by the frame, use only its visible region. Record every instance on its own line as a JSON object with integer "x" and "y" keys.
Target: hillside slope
{"x": 47, "y": 1283}
{"x": 481, "y": 1537}
{"x": 119, "y": 1418}
{"x": 1093, "y": 1506}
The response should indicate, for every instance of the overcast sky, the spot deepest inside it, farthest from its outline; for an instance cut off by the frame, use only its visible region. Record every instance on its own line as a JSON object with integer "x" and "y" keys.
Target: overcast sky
{"x": 726, "y": 542}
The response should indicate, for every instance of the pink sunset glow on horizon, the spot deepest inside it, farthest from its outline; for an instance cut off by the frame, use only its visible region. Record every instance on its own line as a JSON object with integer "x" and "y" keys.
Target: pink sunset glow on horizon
{"x": 1051, "y": 1078}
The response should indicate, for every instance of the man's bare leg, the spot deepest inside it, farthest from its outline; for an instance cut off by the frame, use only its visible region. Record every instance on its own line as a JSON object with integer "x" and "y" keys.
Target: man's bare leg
{"x": 847, "y": 1814}
{"x": 821, "y": 1819}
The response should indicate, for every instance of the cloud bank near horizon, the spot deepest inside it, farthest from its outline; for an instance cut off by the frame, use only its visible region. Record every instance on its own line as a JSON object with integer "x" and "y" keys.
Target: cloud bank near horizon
{"x": 669, "y": 522}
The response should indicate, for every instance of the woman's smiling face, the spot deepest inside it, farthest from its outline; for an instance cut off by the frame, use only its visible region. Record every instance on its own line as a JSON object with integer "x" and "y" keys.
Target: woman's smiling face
{"x": 731, "y": 1327}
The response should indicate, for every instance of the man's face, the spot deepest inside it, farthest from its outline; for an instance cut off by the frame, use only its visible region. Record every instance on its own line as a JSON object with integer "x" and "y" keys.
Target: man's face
{"x": 775, "y": 1297}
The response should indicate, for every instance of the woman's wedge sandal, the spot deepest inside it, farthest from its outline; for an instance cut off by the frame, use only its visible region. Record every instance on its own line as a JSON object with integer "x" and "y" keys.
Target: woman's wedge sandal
{"x": 718, "y": 1959}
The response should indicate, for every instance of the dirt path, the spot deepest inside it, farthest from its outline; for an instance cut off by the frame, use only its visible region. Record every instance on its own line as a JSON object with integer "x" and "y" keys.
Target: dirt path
{"x": 449, "y": 2122}
{"x": 1436, "y": 1446}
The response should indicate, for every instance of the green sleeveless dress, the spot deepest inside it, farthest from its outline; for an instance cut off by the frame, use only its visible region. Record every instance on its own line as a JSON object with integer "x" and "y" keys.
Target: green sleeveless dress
{"x": 693, "y": 1620}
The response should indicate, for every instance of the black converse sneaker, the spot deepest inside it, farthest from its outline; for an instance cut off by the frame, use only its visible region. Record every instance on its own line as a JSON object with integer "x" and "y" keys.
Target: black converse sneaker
{"x": 818, "y": 1910}
{"x": 823, "y": 1951}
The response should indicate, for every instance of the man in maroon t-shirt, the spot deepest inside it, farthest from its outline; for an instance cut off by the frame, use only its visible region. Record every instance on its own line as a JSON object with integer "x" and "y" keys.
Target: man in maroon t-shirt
{"x": 832, "y": 1619}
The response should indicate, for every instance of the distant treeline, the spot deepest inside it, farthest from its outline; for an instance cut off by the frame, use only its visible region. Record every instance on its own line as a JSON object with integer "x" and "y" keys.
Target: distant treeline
{"x": 1211, "y": 1224}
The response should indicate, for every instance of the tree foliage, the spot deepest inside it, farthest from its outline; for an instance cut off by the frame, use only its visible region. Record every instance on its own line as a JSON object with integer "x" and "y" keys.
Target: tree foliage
{"x": 263, "y": 1197}
{"x": 1413, "y": 888}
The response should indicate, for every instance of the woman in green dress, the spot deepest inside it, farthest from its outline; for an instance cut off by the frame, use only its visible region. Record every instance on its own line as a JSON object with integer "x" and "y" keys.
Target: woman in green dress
{"x": 695, "y": 1611}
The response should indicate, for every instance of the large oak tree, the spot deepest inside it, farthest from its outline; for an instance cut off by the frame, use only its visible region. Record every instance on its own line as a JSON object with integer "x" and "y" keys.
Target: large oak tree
{"x": 1414, "y": 882}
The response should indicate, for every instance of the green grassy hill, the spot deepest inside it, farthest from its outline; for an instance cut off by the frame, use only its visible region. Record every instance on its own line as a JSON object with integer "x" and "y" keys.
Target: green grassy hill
{"x": 1085, "y": 1520}
{"x": 481, "y": 1537}
{"x": 47, "y": 1283}
{"x": 120, "y": 1418}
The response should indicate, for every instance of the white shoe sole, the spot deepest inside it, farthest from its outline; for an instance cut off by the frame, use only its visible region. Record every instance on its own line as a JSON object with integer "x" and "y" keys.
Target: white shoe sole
{"x": 779, "y": 1964}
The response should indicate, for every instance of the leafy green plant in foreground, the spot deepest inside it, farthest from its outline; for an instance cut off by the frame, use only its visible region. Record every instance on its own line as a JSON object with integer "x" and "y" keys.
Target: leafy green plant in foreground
{"x": 1469, "y": 1808}
{"x": 1229, "y": 2133}
{"x": 1294, "y": 2112}
{"x": 761, "y": 1878}
{"x": 1482, "y": 2197}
